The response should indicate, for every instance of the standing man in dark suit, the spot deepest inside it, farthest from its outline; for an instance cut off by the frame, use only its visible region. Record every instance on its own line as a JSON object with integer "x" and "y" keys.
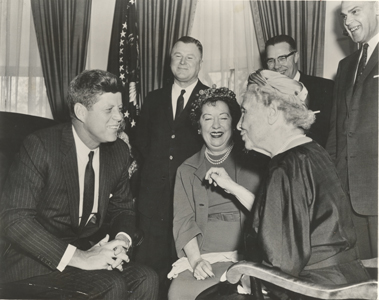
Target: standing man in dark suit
{"x": 66, "y": 184}
{"x": 282, "y": 57}
{"x": 165, "y": 138}
{"x": 353, "y": 138}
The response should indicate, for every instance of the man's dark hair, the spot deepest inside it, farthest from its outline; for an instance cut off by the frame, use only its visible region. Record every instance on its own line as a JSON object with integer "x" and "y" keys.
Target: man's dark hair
{"x": 191, "y": 40}
{"x": 280, "y": 39}
{"x": 88, "y": 85}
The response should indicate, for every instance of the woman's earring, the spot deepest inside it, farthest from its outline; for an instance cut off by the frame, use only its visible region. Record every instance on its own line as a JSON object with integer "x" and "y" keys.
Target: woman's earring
{"x": 198, "y": 131}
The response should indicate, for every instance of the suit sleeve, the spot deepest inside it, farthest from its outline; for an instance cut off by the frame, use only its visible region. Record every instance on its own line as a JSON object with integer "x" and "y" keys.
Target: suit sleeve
{"x": 20, "y": 198}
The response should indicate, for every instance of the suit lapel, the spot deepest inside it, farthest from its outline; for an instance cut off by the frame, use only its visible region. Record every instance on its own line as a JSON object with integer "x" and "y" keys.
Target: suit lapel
{"x": 350, "y": 77}
{"x": 105, "y": 174}
{"x": 187, "y": 109}
{"x": 70, "y": 172}
{"x": 373, "y": 61}
{"x": 167, "y": 105}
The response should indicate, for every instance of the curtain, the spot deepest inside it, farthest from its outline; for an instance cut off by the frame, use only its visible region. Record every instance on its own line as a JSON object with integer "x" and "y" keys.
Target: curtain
{"x": 302, "y": 20}
{"x": 161, "y": 23}
{"x": 62, "y": 28}
{"x": 22, "y": 87}
{"x": 226, "y": 30}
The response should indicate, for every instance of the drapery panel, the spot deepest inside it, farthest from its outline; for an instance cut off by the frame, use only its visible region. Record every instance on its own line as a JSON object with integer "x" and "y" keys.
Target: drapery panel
{"x": 161, "y": 23}
{"x": 302, "y": 20}
{"x": 62, "y": 29}
{"x": 22, "y": 88}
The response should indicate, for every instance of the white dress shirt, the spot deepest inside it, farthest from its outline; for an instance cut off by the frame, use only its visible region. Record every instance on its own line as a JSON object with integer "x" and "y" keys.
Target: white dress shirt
{"x": 175, "y": 93}
{"x": 82, "y": 152}
{"x": 297, "y": 76}
{"x": 371, "y": 47}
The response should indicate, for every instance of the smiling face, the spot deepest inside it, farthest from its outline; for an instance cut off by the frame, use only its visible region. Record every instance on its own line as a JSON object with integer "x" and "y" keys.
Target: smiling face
{"x": 290, "y": 67}
{"x": 253, "y": 122}
{"x": 360, "y": 19}
{"x": 216, "y": 126}
{"x": 185, "y": 63}
{"x": 102, "y": 120}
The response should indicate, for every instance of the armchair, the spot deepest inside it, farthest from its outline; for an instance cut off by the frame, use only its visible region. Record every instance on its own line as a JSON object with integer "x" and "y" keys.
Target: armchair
{"x": 364, "y": 290}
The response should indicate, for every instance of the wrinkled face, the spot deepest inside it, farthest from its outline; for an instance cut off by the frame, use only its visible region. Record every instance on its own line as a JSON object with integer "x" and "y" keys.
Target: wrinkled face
{"x": 216, "y": 126}
{"x": 360, "y": 19}
{"x": 102, "y": 120}
{"x": 185, "y": 62}
{"x": 253, "y": 122}
{"x": 289, "y": 67}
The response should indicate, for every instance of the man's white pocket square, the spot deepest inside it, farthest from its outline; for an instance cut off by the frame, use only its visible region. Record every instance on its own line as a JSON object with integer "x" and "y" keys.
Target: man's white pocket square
{"x": 111, "y": 195}
{"x": 376, "y": 76}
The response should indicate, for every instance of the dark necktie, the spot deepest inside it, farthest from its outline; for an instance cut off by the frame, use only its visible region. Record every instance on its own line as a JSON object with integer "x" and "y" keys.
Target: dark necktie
{"x": 362, "y": 63}
{"x": 179, "y": 104}
{"x": 89, "y": 191}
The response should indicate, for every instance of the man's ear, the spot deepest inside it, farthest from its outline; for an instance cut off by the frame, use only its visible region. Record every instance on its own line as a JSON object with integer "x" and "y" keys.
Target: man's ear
{"x": 296, "y": 57}
{"x": 273, "y": 113}
{"x": 80, "y": 111}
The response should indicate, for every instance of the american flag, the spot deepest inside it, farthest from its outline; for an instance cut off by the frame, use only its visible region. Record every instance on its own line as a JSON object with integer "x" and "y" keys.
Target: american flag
{"x": 123, "y": 60}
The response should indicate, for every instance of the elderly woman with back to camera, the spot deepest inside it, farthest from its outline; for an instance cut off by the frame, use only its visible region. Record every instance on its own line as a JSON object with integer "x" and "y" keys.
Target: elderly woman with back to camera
{"x": 207, "y": 221}
{"x": 301, "y": 216}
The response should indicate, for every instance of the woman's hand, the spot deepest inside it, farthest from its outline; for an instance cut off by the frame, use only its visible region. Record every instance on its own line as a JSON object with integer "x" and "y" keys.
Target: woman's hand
{"x": 202, "y": 269}
{"x": 218, "y": 176}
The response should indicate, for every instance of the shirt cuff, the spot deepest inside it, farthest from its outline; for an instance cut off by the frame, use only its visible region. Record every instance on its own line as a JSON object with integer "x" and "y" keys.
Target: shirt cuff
{"x": 127, "y": 236}
{"x": 69, "y": 253}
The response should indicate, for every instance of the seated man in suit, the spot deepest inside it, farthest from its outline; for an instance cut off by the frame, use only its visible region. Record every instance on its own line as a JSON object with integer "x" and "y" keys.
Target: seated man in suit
{"x": 66, "y": 183}
{"x": 282, "y": 57}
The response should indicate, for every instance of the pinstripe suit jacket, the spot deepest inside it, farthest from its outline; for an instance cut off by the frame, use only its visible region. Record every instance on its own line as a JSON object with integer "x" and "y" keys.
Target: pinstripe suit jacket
{"x": 40, "y": 203}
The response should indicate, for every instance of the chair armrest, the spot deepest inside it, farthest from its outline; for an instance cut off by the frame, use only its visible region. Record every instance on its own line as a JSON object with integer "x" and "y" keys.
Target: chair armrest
{"x": 364, "y": 290}
{"x": 370, "y": 263}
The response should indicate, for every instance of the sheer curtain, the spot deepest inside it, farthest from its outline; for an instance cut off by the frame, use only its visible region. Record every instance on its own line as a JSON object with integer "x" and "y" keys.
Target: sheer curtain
{"x": 226, "y": 30}
{"x": 22, "y": 87}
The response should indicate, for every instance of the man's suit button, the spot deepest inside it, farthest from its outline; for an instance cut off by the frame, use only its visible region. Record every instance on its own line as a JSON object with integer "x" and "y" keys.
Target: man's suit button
{"x": 173, "y": 136}
{"x": 350, "y": 134}
{"x": 171, "y": 157}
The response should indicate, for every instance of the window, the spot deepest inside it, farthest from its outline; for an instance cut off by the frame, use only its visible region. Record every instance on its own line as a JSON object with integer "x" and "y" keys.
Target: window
{"x": 22, "y": 87}
{"x": 226, "y": 31}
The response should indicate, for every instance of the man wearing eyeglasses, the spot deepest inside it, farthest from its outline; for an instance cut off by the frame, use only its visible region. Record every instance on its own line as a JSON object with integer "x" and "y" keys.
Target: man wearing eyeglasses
{"x": 282, "y": 57}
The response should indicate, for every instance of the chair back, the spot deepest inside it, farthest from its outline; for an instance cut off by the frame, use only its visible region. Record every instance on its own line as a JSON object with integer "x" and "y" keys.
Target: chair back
{"x": 14, "y": 128}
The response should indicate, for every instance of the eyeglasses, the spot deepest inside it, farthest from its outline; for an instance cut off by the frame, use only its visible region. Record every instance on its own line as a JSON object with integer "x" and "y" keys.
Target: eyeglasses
{"x": 281, "y": 59}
